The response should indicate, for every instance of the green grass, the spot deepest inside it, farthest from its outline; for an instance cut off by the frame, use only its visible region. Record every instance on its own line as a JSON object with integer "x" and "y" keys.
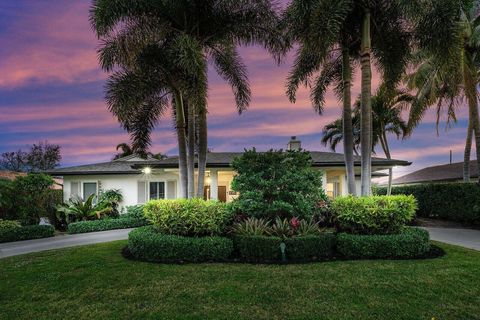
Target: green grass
{"x": 96, "y": 282}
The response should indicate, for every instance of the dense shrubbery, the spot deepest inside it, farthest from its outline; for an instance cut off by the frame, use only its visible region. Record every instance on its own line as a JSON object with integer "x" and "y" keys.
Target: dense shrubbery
{"x": 135, "y": 212}
{"x": 27, "y": 198}
{"x": 12, "y": 231}
{"x": 277, "y": 184}
{"x": 409, "y": 243}
{"x": 193, "y": 217}
{"x": 105, "y": 224}
{"x": 268, "y": 248}
{"x": 450, "y": 201}
{"x": 373, "y": 215}
{"x": 147, "y": 243}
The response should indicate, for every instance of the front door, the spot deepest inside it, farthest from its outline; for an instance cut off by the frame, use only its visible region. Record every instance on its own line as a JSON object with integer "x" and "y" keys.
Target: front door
{"x": 222, "y": 193}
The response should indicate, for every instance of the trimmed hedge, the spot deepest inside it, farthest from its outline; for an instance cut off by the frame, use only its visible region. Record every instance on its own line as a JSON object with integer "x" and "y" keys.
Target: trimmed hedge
{"x": 267, "y": 249}
{"x": 374, "y": 215}
{"x": 148, "y": 244}
{"x": 189, "y": 217}
{"x": 410, "y": 243}
{"x": 103, "y": 225}
{"x": 26, "y": 233}
{"x": 458, "y": 202}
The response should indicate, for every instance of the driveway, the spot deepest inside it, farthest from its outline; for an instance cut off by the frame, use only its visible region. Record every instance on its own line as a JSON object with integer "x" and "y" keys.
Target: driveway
{"x": 461, "y": 237}
{"x": 63, "y": 241}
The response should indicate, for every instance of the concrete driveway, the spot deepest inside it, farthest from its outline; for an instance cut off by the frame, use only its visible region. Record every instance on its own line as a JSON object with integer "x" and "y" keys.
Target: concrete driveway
{"x": 63, "y": 241}
{"x": 467, "y": 238}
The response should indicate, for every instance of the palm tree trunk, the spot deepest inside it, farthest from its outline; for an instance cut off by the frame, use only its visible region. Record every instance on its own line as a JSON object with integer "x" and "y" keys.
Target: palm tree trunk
{"x": 467, "y": 152}
{"x": 347, "y": 121}
{"x": 366, "y": 112}
{"x": 386, "y": 150}
{"x": 191, "y": 150}
{"x": 202, "y": 150}
{"x": 182, "y": 144}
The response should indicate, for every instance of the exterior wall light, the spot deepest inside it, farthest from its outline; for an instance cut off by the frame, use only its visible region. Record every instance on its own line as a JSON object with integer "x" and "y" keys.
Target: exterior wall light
{"x": 147, "y": 170}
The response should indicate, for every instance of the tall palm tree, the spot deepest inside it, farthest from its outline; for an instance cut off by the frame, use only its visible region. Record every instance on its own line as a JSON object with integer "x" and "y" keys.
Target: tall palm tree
{"x": 332, "y": 36}
{"x": 201, "y": 31}
{"x": 448, "y": 66}
{"x": 387, "y": 106}
{"x": 126, "y": 151}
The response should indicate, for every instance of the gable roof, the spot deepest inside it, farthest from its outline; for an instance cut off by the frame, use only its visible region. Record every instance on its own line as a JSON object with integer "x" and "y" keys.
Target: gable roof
{"x": 214, "y": 159}
{"x": 445, "y": 172}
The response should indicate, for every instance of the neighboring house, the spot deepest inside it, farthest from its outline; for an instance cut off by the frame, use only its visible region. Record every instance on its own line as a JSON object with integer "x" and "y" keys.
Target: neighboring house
{"x": 12, "y": 175}
{"x": 143, "y": 179}
{"x": 452, "y": 172}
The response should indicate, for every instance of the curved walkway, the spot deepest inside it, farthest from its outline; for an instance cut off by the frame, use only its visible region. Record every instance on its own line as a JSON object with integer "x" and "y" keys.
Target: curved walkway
{"x": 461, "y": 237}
{"x": 62, "y": 241}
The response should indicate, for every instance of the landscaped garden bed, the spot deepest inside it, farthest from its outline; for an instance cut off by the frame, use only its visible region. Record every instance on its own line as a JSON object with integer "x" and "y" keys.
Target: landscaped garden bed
{"x": 12, "y": 231}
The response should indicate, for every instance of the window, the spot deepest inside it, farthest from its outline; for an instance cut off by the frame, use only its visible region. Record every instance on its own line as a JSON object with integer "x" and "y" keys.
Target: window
{"x": 89, "y": 188}
{"x": 157, "y": 190}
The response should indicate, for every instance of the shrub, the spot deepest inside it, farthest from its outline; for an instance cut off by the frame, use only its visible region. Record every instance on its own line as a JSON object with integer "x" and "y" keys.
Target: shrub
{"x": 188, "y": 217}
{"x": 458, "y": 202}
{"x": 148, "y": 244}
{"x": 267, "y": 249}
{"x": 252, "y": 227}
{"x": 135, "y": 212}
{"x": 277, "y": 184}
{"x": 18, "y": 233}
{"x": 8, "y": 224}
{"x": 103, "y": 225}
{"x": 410, "y": 243}
{"x": 374, "y": 215}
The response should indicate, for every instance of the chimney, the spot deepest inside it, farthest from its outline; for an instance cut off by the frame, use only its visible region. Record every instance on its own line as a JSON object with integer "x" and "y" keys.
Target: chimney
{"x": 294, "y": 144}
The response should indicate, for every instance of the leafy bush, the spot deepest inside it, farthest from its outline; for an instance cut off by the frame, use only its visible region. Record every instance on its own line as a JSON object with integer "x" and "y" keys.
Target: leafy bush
{"x": 26, "y": 198}
{"x": 8, "y": 224}
{"x": 252, "y": 227}
{"x": 105, "y": 224}
{"x": 267, "y": 248}
{"x": 188, "y": 217}
{"x": 18, "y": 233}
{"x": 277, "y": 184}
{"x": 147, "y": 243}
{"x": 449, "y": 201}
{"x": 135, "y": 212}
{"x": 281, "y": 228}
{"x": 374, "y": 215}
{"x": 108, "y": 201}
{"x": 410, "y": 243}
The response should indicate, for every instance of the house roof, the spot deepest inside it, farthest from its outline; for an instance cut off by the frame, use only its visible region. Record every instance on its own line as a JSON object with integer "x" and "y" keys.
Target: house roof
{"x": 440, "y": 173}
{"x": 10, "y": 175}
{"x": 132, "y": 165}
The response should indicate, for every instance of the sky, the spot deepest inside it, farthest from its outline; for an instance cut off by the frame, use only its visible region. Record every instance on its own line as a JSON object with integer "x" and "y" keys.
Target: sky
{"x": 51, "y": 88}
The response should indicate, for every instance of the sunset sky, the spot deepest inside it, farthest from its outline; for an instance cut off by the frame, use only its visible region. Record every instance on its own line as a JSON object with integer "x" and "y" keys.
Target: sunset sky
{"x": 51, "y": 88}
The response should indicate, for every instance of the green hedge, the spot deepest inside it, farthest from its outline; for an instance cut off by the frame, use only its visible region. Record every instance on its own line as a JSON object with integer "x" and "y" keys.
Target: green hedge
{"x": 267, "y": 248}
{"x": 188, "y": 217}
{"x": 450, "y": 201}
{"x": 26, "y": 233}
{"x": 374, "y": 215}
{"x": 410, "y": 243}
{"x": 148, "y": 244}
{"x": 103, "y": 225}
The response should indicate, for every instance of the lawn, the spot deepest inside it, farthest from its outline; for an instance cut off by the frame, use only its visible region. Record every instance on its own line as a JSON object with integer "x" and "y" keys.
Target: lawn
{"x": 96, "y": 282}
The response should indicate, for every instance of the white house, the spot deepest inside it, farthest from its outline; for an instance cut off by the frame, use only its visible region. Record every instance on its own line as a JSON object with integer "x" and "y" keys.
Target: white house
{"x": 143, "y": 179}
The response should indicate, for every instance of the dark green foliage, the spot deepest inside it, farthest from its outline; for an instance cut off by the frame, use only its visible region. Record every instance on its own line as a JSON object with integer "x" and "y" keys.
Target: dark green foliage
{"x": 310, "y": 247}
{"x": 105, "y": 224}
{"x": 189, "y": 217}
{"x": 148, "y": 244}
{"x": 374, "y": 215}
{"x": 258, "y": 248}
{"x": 135, "y": 212}
{"x": 26, "y": 233}
{"x": 277, "y": 184}
{"x": 267, "y": 248}
{"x": 27, "y": 198}
{"x": 450, "y": 201}
{"x": 410, "y": 243}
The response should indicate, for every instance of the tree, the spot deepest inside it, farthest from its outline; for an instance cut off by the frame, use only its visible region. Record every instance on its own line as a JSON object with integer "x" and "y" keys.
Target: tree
{"x": 127, "y": 150}
{"x": 333, "y": 35}
{"x": 447, "y": 66}
{"x": 185, "y": 34}
{"x": 387, "y": 107}
{"x": 40, "y": 157}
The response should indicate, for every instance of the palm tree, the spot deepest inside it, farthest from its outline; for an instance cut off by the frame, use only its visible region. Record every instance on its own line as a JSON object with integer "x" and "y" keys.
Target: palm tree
{"x": 387, "y": 106}
{"x": 126, "y": 151}
{"x": 448, "y": 65}
{"x": 198, "y": 31}
{"x": 332, "y": 36}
